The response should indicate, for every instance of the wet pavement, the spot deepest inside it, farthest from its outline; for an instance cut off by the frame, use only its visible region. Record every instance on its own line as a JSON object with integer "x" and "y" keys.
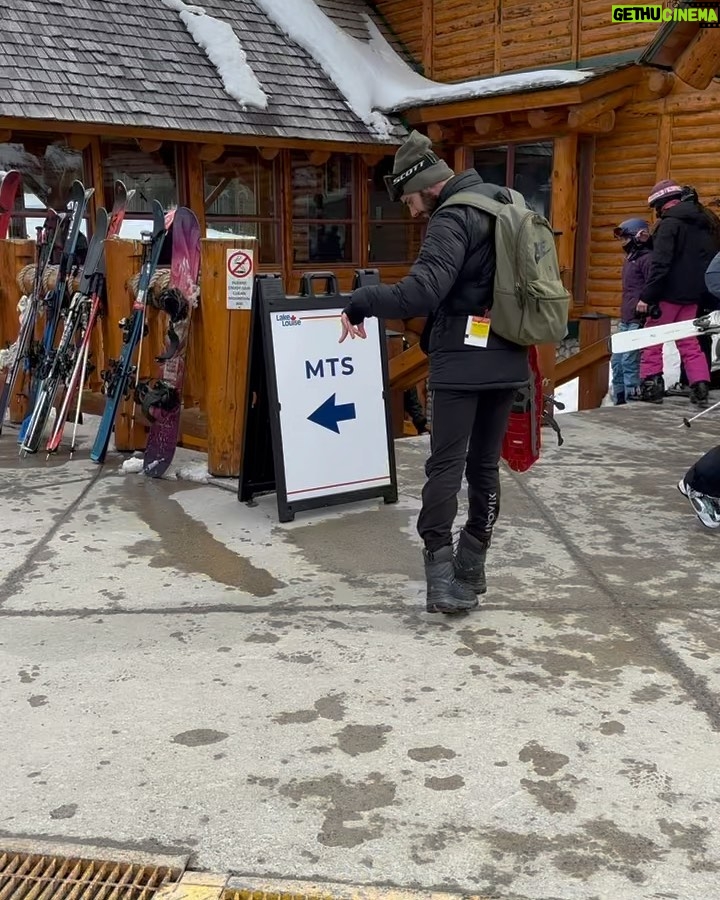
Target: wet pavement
{"x": 182, "y": 673}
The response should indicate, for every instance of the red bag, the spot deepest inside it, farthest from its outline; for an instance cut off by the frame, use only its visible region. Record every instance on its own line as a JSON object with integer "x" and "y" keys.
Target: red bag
{"x": 523, "y": 437}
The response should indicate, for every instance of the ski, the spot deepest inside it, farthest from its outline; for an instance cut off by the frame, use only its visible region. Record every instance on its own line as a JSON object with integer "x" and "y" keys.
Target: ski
{"x": 162, "y": 401}
{"x": 8, "y": 191}
{"x": 92, "y": 287}
{"x": 625, "y": 341}
{"x": 49, "y": 234}
{"x": 55, "y": 301}
{"x": 58, "y": 363}
{"x": 118, "y": 375}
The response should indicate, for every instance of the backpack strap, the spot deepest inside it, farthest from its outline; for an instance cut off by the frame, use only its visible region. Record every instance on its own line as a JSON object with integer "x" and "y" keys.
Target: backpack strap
{"x": 483, "y": 202}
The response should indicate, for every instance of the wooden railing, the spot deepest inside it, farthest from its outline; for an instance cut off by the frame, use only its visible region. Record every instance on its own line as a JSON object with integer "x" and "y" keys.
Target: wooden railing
{"x": 590, "y": 364}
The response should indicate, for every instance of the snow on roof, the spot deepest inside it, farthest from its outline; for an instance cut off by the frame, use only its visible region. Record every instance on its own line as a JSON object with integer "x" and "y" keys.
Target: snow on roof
{"x": 220, "y": 44}
{"x": 374, "y": 78}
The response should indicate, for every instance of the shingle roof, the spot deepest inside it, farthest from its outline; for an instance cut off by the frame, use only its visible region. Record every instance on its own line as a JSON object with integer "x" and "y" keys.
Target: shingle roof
{"x": 132, "y": 63}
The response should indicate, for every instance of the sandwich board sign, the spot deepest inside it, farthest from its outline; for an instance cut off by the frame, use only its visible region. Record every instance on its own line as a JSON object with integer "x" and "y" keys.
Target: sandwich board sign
{"x": 318, "y": 429}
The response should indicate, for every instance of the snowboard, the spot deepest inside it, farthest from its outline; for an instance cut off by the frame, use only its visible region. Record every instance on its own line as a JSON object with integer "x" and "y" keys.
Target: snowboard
{"x": 8, "y": 191}
{"x": 161, "y": 401}
{"x": 625, "y": 341}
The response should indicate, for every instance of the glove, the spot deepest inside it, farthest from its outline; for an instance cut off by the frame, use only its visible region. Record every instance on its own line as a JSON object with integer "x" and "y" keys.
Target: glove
{"x": 358, "y": 308}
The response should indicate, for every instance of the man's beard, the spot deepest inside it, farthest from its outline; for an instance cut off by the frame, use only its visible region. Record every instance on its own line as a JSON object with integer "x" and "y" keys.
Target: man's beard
{"x": 430, "y": 202}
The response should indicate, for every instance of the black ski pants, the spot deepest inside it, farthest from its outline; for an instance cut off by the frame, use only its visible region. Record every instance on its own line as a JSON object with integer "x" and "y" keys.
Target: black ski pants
{"x": 468, "y": 428}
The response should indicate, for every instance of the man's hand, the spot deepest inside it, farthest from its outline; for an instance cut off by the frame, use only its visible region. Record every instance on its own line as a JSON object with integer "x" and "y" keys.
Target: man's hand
{"x": 641, "y": 307}
{"x": 352, "y": 330}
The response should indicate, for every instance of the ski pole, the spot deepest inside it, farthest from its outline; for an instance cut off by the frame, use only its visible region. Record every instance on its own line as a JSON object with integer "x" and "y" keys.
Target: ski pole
{"x": 81, "y": 382}
{"x": 686, "y": 422}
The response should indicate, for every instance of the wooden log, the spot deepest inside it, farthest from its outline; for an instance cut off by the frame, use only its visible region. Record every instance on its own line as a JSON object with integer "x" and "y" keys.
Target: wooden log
{"x": 78, "y": 141}
{"x": 5, "y": 135}
{"x": 14, "y": 254}
{"x": 488, "y": 124}
{"x": 586, "y": 112}
{"x": 699, "y": 62}
{"x": 664, "y": 148}
{"x": 545, "y": 118}
{"x": 603, "y": 124}
{"x": 225, "y": 338}
{"x": 428, "y": 37}
{"x": 564, "y": 203}
{"x": 149, "y": 145}
{"x": 374, "y": 159}
{"x": 593, "y": 381}
{"x": 211, "y": 152}
{"x": 268, "y": 153}
{"x": 462, "y": 159}
{"x": 408, "y": 368}
{"x": 657, "y": 84}
{"x": 318, "y": 157}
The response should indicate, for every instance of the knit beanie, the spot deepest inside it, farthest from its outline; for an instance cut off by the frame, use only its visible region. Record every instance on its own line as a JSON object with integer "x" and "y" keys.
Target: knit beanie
{"x": 415, "y": 148}
{"x": 663, "y": 191}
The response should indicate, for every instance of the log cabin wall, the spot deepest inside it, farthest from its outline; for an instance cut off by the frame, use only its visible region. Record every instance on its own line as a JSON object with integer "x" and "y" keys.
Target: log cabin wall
{"x": 675, "y": 137}
{"x": 460, "y": 39}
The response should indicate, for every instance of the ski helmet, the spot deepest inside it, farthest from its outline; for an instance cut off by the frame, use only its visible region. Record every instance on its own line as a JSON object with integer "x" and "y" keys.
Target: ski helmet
{"x": 630, "y": 228}
{"x": 663, "y": 192}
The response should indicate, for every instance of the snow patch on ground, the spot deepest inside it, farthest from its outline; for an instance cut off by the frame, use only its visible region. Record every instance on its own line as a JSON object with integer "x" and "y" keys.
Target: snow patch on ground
{"x": 132, "y": 465}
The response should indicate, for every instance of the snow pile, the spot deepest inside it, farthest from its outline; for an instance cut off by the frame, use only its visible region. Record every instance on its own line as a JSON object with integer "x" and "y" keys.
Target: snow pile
{"x": 371, "y": 75}
{"x": 197, "y": 473}
{"x": 133, "y": 465}
{"x": 223, "y": 49}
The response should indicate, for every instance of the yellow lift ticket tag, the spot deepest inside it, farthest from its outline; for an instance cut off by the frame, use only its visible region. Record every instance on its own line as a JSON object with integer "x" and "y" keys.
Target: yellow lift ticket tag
{"x": 477, "y": 331}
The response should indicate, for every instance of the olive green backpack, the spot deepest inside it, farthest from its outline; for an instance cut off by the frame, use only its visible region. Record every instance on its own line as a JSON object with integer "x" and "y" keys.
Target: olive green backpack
{"x": 530, "y": 303}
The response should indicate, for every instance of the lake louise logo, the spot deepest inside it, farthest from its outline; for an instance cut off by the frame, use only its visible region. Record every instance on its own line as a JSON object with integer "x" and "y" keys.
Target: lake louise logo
{"x": 286, "y": 319}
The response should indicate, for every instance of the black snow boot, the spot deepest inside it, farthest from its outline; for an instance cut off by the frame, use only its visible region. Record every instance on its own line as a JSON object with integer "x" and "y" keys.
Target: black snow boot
{"x": 470, "y": 562}
{"x": 444, "y": 593}
{"x": 652, "y": 389}
{"x": 699, "y": 393}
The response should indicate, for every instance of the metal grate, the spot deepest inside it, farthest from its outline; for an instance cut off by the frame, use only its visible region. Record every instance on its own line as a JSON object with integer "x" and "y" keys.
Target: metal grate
{"x": 32, "y": 876}
{"x": 233, "y": 894}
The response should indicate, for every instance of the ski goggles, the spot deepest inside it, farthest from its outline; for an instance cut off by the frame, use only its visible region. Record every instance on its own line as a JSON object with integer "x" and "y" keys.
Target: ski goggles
{"x": 395, "y": 184}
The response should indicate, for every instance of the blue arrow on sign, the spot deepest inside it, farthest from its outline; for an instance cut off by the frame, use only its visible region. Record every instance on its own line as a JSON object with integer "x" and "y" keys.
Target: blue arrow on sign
{"x": 328, "y": 414}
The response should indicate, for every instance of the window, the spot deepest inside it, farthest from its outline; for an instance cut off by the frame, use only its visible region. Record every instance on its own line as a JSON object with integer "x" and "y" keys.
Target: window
{"x": 241, "y": 200}
{"x": 48, "y": 169}
{"x": 151, "y": 174}
{"x": 525, "y": 167}
{"x": 323, "y": 207}
{"x": 394, "y": 236}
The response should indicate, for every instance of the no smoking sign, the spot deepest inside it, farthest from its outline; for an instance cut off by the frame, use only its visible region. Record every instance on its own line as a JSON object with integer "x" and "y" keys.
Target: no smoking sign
{"x": 240, "y": 276}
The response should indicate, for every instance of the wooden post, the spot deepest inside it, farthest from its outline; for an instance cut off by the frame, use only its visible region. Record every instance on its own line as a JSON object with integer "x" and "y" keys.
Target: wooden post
{"x": 14, "y": 254}
{"x": 394, "y": 341}
{"x": 547, "y": 354}
{"x": 593, "y": 382}
{"x": 428, "y": 36}
{"x": 565, "y": 203}
{"x": 225, "y": 336}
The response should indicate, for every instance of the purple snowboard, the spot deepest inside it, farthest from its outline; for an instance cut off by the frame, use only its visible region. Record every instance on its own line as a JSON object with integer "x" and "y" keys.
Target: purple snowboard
{"x": 184, "y": 272}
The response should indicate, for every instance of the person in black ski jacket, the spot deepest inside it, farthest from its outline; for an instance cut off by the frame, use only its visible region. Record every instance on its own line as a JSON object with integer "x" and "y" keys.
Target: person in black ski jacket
{"x": 684, "y": 243}
{"x": 472, "y": 386}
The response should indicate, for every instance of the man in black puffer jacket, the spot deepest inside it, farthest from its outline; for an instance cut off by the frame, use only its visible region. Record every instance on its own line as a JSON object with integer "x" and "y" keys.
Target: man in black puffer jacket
{"x": 473, "y": 387}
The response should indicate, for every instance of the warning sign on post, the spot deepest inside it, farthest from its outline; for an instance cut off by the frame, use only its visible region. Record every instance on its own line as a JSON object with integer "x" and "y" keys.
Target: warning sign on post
{"x": 240, "y": 275}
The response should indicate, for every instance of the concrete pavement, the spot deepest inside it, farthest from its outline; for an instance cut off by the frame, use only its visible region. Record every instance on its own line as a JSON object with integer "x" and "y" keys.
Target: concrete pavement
{"x": 181, "y": 673}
